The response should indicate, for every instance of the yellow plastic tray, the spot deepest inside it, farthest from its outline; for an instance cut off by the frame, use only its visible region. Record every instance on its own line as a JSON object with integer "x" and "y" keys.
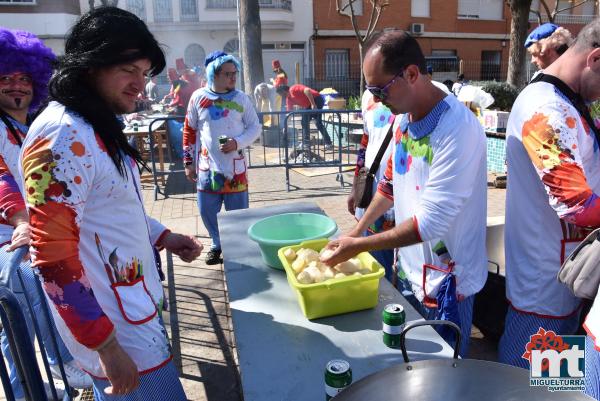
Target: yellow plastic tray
{"x": 335, "y": 296}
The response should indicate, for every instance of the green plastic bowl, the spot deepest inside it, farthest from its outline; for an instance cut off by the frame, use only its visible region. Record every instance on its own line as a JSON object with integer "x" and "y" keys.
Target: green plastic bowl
{"x": 287, "y": 229}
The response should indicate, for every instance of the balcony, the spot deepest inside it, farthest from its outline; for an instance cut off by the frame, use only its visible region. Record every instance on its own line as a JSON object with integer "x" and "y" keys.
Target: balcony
{"x": 264, "y": 4}
{"x": 565, "y": 19}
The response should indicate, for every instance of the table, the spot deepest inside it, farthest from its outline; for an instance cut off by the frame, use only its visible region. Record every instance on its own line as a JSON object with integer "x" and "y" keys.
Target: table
{"x": 159, "y": 137}
{"x": 282, "y": 355}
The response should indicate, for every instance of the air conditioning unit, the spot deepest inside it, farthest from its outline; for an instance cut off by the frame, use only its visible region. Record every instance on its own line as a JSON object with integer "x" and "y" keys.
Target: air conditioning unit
{"x": 282, "y": 45}
{"x": 417, "y": 29}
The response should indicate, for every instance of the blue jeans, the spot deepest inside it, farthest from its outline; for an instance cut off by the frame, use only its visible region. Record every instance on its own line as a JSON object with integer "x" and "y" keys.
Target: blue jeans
{"x": 210, "y": 204}
{"x": 38, "y": 304}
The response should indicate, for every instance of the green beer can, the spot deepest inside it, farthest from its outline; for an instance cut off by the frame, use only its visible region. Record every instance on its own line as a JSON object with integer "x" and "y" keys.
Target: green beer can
{"x": 338, "y": 376}
{"x": 394, "y": 319}
{"x": 223, "y": 139}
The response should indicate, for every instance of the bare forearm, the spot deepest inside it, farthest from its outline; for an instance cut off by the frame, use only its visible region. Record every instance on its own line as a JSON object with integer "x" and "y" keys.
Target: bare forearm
{"x": 378, "y": 206}
{"x": 19, "y": 217}
{"x": 402, "y": 235}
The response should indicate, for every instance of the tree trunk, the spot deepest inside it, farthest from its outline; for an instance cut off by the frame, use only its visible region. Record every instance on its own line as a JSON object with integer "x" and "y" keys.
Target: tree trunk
{"x": 518, "y": 33}
{"x": 251, "y": 45}
{"x": 362, "y": 77}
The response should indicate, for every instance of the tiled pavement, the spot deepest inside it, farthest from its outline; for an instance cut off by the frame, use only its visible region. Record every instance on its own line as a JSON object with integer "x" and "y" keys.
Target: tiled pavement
{"x": 203, "y": 337}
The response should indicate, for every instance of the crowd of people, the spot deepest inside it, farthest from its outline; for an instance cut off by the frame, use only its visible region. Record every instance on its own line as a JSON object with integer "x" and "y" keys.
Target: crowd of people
{"x": 65, "y": 165}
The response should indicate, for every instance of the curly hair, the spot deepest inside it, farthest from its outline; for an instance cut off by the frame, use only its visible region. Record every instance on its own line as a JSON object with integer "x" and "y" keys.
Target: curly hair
{"x": 560, "y": 40}
{"x": 104, "y": 37}
{"x": 24, "y": 52}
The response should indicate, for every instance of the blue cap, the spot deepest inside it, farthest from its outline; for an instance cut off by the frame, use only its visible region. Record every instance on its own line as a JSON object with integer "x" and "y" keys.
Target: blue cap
{"x": 213, "y": 56}
{"x": 539, "y": 33}
{"x": 429, "y": 69}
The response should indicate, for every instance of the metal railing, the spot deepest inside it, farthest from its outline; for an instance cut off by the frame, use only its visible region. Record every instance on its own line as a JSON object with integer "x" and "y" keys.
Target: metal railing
{"x": 562, "y": 19}
{"x": 163, "y": 10}
{"x": 189, "y": 10}
{"x": 282, "y": 143}
{"x": 21, "y": 348}
{"x": 227, "y": 4}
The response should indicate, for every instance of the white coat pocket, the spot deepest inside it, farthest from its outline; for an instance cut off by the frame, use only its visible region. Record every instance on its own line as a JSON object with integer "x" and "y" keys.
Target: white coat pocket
{"x": 239, "y": 165}
{"x": 135, "y": 302}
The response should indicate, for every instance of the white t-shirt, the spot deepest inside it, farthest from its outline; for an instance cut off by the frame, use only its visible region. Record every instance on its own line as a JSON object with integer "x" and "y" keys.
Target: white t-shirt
{"x": 92, "y": 242}
{"x": 551, "y": 202}
{"x": 440, "y": 182}
{"x": 377, "y": 119}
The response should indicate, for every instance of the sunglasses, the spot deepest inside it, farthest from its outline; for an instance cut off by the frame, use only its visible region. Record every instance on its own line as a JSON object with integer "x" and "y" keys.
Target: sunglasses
{"x": 382, "y": 92}
{"x": 230, "y": 74}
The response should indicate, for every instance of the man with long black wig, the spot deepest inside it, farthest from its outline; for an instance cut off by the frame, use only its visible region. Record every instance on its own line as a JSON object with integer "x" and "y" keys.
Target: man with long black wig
{"x": 92, "y": 241}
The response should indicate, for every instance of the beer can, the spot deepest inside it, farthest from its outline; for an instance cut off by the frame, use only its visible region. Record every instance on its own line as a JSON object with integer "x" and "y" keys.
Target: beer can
{"x": 338, "y": 376}
{"x": 223, "y": 139}
{"x": 394, "y": 319}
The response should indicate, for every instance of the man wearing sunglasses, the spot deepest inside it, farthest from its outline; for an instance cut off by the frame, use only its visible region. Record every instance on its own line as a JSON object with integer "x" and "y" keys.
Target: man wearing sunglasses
{"x": 435, "y": 180}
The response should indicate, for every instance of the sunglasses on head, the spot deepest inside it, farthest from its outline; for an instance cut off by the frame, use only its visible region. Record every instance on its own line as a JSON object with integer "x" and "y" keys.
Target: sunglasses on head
{"x": 381, "y": 92}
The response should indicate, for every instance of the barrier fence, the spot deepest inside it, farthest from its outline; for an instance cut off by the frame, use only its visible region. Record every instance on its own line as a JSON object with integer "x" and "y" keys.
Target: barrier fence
{"x": 294, "y": 140}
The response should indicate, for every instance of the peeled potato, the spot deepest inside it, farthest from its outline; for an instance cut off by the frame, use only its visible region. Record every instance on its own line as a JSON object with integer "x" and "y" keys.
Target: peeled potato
{"x": 298, "y": 265}
{"x": 328, "y": 273}
{"x": 365, "y": 270}
{"x": 326, "y": 253}
{"x": 339, "y": 275}
{"x": 315, "y": 274}
{"x": 304, "y": 277}
{"x": 289, "y": 254}
{"x": 348, "y": 267}
{"x": 309, "y": 254}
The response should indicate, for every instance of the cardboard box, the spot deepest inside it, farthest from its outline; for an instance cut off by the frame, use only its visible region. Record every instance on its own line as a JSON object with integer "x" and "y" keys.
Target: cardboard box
{"x": 495, "y": 120}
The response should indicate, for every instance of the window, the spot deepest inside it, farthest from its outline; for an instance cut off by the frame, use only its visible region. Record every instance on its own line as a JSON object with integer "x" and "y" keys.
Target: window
{"x": 588, "y": 8}
{"x": 419, "y": 8}
{"x": 336, "y": 63}
{"x": 357, "y": 5}
{"x": 137, "y": 7}
{"x": 490, "y": 65}
{"x": 163, "y": 11}
{"x": 481, "y": 9}
{"x": 232, "y": 47}
{"x": 189, "y": 10}
{"x": 194, "y": 55}
{"x": 19, "y": 2}
{"x": 443, "y": 61}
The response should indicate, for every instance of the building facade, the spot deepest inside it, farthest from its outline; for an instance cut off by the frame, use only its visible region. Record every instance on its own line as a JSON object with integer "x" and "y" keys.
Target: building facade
{"x": 48, "y": 19}
{"x": 191, "y": 29}
{"x": 468, "y": 36}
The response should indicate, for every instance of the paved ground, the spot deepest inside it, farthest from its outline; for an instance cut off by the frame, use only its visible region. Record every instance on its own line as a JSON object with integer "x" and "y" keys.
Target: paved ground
{"x": 202, "y": 336}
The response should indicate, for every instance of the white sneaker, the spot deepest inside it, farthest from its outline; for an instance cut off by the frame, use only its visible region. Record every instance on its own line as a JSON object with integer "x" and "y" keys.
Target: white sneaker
{"x": 76, "y": 377}
{"x": 60, "y": 392}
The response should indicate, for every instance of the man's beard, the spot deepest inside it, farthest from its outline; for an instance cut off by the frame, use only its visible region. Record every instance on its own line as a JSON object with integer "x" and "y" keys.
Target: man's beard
{"x": 17, "y": 101}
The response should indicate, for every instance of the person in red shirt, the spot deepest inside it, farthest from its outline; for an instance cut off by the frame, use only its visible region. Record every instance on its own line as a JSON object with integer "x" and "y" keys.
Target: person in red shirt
{"x": 280, "y": 75}
{"x": 306, "y": 98}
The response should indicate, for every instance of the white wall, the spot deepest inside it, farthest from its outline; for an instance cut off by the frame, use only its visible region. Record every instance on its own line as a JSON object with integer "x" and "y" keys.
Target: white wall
{"x": 216, "y": 27}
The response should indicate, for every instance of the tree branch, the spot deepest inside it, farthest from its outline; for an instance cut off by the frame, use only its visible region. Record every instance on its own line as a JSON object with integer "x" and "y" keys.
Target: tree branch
{"x": 570, "y": 7}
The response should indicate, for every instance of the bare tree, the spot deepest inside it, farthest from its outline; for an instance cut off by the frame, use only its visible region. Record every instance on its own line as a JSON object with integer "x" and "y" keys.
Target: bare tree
{"x": 251, "y": 44}
{"x": 519, "y": 10}
{"x": 551, "y": 13}
{"x": 377, "y": 7}
{"x": 111, "y": 3}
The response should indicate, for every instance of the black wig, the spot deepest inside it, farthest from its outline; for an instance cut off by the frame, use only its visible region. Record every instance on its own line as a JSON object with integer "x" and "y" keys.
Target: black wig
{"x": 103, "y": 37}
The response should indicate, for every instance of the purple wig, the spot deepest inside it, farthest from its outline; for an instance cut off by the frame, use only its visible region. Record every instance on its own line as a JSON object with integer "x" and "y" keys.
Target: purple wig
{"x": 23, "y": 52}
